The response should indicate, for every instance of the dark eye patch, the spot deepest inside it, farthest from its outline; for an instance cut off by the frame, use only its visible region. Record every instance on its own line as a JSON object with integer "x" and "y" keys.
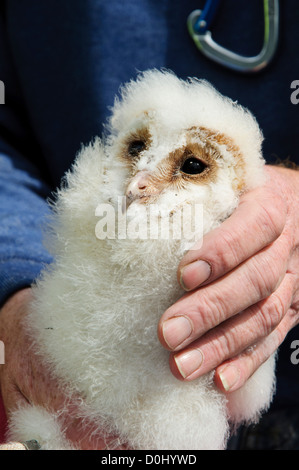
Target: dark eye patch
{"x": 136, "y": 147}
{"x": 193, "y": 166}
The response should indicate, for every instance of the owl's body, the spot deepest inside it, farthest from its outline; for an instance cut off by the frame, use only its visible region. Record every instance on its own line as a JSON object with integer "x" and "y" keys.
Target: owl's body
{"x": 171, "y": 144}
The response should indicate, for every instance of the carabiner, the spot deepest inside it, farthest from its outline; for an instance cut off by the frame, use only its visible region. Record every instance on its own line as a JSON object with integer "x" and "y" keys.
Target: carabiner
{"x": 197, "y": 25}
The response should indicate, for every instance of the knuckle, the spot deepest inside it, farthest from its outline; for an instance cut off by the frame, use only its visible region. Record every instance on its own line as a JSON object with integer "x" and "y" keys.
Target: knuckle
{"x": 266, "y": 275}
{"x": 281, "y": 334}
{"x": 226, "y": 250}
{"x": 214, "y": 309}
{"x": 272, "y": 278}
{"x": 223, "y": 345}
{"x": 272, "y": 312}
{"x": 272, "y": 216}
{"x": 288, "y": 322}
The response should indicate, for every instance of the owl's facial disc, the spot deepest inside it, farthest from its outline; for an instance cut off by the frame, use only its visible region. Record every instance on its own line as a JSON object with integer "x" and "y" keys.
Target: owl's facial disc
{"x": 156, "y": 174}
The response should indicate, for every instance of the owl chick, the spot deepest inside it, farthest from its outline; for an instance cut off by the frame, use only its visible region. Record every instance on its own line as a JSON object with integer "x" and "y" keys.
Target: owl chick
{"x": 171, "y": 146}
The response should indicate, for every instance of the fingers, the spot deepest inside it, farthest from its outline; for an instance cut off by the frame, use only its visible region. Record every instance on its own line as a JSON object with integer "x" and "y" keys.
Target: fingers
{"x": 202, "y": 310}
{"x": 232, "y": 375}
{"x": 250, "y": 338}
{"x": 257, "y": 222}
{"x": 246, "y": 304}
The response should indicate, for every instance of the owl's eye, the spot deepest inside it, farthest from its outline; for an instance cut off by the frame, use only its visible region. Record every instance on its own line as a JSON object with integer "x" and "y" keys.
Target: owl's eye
{"x": 193, "y": 166}
{"x": 136, "y": 147}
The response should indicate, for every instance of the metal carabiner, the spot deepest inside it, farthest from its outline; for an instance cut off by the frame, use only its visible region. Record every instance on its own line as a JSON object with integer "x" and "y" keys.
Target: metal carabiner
{"x": 199, "y": 20}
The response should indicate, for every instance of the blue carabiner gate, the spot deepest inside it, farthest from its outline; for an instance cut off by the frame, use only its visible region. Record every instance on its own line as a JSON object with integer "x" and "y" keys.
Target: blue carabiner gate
{"x": 199, "y": 21}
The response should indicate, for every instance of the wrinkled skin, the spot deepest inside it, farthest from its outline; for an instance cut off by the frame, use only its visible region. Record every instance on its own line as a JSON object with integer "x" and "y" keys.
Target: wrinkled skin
{"x": 237, "y": 310}
{"x": 234, "y": 320}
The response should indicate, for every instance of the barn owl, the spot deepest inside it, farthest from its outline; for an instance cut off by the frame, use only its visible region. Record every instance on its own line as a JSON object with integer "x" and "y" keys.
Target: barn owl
{"x": 169, "y": 145}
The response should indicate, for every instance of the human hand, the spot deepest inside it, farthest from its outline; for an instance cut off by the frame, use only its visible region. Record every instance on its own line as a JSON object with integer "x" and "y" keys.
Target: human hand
{"x": 242, "y": 285}
{"x": 25, "y": 380}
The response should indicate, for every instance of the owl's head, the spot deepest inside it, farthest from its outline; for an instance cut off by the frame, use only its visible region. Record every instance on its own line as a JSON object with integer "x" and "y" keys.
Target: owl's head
{"x": 181, "y": 142}
{"x": 171, "y": 145}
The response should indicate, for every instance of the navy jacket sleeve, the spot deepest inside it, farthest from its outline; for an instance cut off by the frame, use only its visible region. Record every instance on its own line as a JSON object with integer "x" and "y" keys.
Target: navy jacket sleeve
{"x": 22, "y": 190}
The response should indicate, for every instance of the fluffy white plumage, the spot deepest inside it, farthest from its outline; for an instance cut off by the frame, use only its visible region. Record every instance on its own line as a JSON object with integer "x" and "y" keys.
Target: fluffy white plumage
{"x": 96, "y": 310}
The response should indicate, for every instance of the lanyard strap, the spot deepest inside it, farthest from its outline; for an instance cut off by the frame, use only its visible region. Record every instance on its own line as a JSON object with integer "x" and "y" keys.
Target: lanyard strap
{"x": 206, "y": 16}
{"x": 199, "y": 21}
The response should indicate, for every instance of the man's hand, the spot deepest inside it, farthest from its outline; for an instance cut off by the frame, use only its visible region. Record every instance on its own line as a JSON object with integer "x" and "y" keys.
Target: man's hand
{"x": 242, "y": 288}
{"x": 25, "y": 379}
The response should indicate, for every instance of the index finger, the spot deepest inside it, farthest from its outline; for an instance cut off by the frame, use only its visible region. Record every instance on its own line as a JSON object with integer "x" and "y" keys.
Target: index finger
{"x": 258, "y": 221}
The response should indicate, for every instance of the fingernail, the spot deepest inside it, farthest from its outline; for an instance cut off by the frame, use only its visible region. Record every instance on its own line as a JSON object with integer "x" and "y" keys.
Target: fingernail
{"x": 176, "y": 330}
{"x": 229, "y": 376}
{"x": 189, "y": 362}
{"x": 195, "y": 274}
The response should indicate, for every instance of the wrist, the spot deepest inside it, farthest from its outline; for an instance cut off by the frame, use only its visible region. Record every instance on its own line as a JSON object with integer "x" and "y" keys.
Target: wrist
{"x": 11, "y": 315}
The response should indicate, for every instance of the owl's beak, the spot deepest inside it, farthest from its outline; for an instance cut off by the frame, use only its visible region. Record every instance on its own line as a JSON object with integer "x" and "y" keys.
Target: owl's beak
{"x": 140, "y": 187}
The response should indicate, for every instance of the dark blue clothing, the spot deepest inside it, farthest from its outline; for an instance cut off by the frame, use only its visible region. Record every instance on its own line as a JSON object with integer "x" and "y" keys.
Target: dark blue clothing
{"x": 62, "y": 62}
